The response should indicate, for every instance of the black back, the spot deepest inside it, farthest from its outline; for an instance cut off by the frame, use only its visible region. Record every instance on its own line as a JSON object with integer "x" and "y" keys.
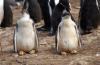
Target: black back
{"x": 33, "y": 9}
{"x": 8, "y": 15}
{"x": 89, "y": 15}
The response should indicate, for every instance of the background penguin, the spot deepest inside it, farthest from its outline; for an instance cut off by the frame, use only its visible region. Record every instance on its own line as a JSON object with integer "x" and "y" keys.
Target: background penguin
{"x": 57, "y": 13}
{"x": 89, "y": 15}
{"x": 67, "y": 38}
{"x": 7, "y": 20}
{"x": 25, "y": 36}
{"x": 45, "y": 7}
{"x": 33, "y": 9}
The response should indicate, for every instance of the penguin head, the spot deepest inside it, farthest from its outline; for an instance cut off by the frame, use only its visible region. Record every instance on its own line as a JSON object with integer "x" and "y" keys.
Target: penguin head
{"x": 25, "y": 20}
{"x": 67, "y": 20}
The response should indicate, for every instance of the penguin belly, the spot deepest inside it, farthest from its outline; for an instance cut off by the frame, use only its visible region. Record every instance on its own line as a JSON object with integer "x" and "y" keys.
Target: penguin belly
{"x": 25, "y": 40}
{"x": 68, "y": 39}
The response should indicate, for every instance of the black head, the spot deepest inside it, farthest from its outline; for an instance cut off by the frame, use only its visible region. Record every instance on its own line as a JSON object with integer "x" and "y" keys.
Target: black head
{"x": 25, "y": 7}
{"x": 65, "y": 4}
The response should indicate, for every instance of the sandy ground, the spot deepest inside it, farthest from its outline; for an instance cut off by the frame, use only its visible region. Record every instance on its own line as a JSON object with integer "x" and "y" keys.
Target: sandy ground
{"x": 89, "y": 54}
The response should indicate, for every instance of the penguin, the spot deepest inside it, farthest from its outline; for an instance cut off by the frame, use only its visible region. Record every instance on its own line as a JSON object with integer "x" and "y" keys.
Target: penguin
{"x": 62, "y": 6}
{"x": 67, "y": 37}
{"x": 89, "y": 16}
{"x": 6, "y": 15}
{"x": 25, "y": 36}
{"x": 46, "y": 13}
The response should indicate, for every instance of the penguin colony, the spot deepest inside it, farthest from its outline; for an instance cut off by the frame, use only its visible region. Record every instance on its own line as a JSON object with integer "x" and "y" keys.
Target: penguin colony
{"x": 57, "y": 20}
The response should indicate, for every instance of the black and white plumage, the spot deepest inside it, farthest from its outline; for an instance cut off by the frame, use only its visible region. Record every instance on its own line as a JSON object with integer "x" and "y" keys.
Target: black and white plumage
{"x": 46, "y": 12}
{"x": 25, "y": 35}
{"x": 89, "y": 15}
{"x": 6, "y": 15}
{"x": 67, "y": 37}
{"x": 33, "y": 9}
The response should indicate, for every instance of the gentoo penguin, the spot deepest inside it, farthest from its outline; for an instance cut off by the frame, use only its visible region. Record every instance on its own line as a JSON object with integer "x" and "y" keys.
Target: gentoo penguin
{"x": 67, "y": 38}
{"x": 25, "y": 36}
{"x": 6, "y": 15}
{"x": 89, "y": 15}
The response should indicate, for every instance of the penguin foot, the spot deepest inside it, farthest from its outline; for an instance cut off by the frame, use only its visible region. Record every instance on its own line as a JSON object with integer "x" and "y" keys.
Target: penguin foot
{"x": 74, "y": 51}
{"x": 63, "y": 53}
{"x": 32, "y": 52}
{"x": 21, "y": 53}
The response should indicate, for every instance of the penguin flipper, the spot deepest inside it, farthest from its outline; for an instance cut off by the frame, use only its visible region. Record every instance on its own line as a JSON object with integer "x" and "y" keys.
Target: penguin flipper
{"x": 14, "y": 41}
{"x": 36, "y": 39}
{"x": 78, "y": 36}
{"x": 58, "y": 35}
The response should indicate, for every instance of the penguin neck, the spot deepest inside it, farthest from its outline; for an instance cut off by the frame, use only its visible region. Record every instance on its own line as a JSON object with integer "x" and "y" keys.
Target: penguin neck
{"x": 67, "y": 20}
{"x": 25, "y": 15}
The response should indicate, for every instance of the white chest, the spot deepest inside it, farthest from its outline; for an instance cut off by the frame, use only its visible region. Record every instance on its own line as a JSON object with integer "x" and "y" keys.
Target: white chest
{"x": 68, "y": 37}
{"x": 25, "y": 39}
